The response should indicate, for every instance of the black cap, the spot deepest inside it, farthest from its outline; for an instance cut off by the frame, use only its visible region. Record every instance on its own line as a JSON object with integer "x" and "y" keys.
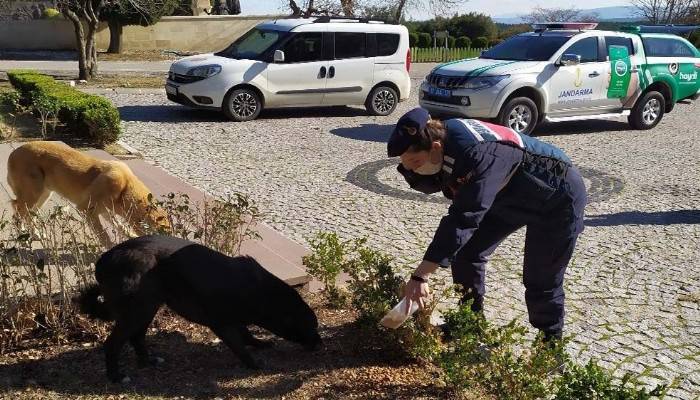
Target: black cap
{"x": 400, "y": 139}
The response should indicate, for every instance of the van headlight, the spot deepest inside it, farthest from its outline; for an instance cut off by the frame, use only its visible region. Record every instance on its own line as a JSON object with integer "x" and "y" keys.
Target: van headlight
{"x": 483, "y": 82}
{"x": 204, "y": 71}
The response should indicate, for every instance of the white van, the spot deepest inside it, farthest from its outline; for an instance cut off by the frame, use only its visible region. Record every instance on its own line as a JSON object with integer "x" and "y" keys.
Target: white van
{"x": 323, "y": 61}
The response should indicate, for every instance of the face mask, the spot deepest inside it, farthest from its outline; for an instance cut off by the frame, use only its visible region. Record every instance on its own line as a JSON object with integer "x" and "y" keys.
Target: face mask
{"x": 428, "y": 168}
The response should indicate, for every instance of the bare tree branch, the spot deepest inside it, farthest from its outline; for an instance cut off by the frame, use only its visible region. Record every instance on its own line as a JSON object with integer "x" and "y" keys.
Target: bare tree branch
{"x": 540, "y": 14}
{"x": 665, "y": 11}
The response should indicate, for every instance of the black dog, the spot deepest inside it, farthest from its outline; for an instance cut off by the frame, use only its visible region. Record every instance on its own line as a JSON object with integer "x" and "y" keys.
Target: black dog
{"x": 223, "y": 293}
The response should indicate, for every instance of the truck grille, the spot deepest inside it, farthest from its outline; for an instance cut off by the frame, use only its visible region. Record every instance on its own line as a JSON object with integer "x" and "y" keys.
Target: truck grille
{"x": 446, "y": 82}
{"x": 180, "y": 78}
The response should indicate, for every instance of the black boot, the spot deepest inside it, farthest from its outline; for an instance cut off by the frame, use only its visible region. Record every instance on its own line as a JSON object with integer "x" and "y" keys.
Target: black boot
{"x": 551, "y": 339}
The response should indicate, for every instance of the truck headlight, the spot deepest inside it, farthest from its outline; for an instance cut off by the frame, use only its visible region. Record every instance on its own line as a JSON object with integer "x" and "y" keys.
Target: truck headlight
{"x": 483, "y": 82}
{"x": 204, "y": 71}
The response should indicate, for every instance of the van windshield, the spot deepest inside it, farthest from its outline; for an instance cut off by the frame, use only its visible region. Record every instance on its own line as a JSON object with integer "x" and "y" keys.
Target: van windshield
{"x": 252, "y": 45}
{"x": 526, "y": 48}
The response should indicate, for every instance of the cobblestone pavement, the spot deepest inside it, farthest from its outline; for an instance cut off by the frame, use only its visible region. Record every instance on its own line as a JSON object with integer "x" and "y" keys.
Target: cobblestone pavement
{"x": 633, "y": 287}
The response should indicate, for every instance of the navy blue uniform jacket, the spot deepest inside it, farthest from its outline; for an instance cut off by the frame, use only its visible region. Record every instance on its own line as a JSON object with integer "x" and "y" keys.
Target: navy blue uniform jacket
{"x": 521, "y": 179}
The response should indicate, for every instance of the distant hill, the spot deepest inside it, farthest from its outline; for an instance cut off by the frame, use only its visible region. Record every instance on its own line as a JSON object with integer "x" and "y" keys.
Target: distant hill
{"x": 613, "y": 14}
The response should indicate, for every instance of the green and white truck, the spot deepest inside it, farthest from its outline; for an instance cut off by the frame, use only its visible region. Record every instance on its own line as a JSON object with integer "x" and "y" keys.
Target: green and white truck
{"x": 568, "y": 72}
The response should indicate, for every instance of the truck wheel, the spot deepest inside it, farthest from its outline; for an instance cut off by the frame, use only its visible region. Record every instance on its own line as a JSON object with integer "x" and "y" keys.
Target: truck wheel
{"x": 519, "y": 114}
{"x": 242, "y": 105}
{"x": 648, "y": 111}
{"x": 382, "y": 100}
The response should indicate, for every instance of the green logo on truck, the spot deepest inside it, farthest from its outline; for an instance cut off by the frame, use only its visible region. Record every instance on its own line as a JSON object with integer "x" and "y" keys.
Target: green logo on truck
{"x": 621, "y": 65}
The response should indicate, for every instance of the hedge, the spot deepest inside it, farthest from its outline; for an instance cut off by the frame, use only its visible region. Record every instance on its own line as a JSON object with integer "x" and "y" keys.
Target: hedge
{"x": 89, "y": 117}
{"x": 480, "y": 42}
{"x": 441, "y": 54}
{"x": 463, "y": 42}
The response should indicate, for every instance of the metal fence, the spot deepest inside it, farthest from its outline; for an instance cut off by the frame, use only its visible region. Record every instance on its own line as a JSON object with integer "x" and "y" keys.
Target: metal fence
{"x": 441, "y": 54}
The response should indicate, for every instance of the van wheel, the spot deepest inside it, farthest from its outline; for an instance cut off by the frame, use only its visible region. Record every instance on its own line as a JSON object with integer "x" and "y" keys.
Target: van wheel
{"x": 648, "y": 111}
{"x": 242, "y": 105}
{"x": 382, "y": 101}
{"x": 519, "y": 114}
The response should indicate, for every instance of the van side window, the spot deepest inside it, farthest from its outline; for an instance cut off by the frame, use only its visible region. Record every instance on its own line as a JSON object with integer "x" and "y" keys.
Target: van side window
{"x": 349, "y": 45}
{"x": 586, "y": 48}
{"x": 619, "y": 41}
{"x": 387, "y": 44}
{"x": 304, "y": 47}
{"x": 666, "y": 47}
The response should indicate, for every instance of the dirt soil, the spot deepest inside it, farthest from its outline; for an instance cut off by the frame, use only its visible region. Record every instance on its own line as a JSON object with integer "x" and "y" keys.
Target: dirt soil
{"x": 126, "y": 81}
{"x": 354, "y": 363}
{"x": 144, "y": 55}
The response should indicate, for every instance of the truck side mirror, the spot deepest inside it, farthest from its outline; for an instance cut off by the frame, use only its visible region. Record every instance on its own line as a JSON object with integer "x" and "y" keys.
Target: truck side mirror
{"x": 570, "y": 59}
{"x": 278, "y": 57}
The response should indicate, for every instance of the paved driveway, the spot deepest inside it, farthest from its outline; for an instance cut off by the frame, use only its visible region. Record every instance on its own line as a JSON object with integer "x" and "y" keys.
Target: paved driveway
{"x": 633, "y": 286}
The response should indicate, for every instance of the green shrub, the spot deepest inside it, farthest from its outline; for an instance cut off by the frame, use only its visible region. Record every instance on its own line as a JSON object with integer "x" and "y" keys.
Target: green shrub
{"x": 496, "y": 359}
{"x": 51, "y": 13}
{"x": 325, "y": 263}
{"x": 10, "y": 98}
{"x": 425, "y": 40}
{"x": 89, "y": 117}
{"x": 480, "y": 42}
{"x": 374, "y": 288}
{"x": 464, "y": 42}
{"x": 412, "y": 39}
{"x": 593, "y": 382}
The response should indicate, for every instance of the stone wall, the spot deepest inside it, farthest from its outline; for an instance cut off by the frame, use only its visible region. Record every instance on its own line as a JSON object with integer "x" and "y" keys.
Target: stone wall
{"x": 200, "y": 34}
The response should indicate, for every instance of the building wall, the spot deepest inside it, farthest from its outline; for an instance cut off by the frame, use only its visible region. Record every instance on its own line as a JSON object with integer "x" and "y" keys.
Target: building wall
{"x": 200, "y": 34}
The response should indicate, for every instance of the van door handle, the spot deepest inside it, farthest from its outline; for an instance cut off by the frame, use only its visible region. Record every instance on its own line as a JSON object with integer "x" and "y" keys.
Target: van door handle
{"x": 322, "y": 72}
{"x": 593, "y": 74}
{"x": 331, "y": 72}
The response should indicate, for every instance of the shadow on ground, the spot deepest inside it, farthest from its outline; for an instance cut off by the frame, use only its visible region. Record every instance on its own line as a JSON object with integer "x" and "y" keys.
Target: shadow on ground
{"x": 366, "y": 132}
{"x": 579, "y": 127}
{"x": 679, "y": 217}
{"x": 176, "y": 113}
{"x": 204, "y": 370}
{"x": 38, "y": 55}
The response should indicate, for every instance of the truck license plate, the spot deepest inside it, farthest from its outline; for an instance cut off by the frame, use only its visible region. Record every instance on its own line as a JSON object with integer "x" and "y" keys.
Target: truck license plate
{"x": 439, "y": 92}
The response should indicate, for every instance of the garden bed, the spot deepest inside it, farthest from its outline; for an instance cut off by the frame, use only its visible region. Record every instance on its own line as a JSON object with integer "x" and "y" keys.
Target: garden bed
{"x": 353, "y": 363}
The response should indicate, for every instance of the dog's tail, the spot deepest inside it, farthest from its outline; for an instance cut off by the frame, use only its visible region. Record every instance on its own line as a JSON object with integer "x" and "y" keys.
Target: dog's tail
{"x": 91, "y": 303}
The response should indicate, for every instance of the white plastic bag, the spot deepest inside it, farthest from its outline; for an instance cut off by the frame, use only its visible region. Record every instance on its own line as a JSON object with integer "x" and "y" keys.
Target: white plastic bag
{"x": 397, "y": 316}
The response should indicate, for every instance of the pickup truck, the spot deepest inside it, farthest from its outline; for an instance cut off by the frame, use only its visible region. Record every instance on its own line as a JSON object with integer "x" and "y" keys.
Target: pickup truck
{"x": 568, "y": 72}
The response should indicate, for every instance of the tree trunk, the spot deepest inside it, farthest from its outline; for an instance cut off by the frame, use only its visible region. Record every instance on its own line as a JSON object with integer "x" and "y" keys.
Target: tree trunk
{"x": 91, "y": 52}
{"x": 80, "y": 43}
{"x": 310, "y": 10}
{"x": 348, "y": 7}
{"x": 296, "y": 10}
{"x": 399, "y": 10}
{"x": 92, "y": 13}
{"x": 115, "y": 37}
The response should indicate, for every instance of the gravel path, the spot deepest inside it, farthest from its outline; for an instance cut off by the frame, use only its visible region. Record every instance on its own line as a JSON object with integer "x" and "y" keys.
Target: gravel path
{"x": 633, "y": 287}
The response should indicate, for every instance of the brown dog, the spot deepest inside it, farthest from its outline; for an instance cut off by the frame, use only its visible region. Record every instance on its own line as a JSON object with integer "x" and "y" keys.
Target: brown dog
{"x": 95, "y": 186}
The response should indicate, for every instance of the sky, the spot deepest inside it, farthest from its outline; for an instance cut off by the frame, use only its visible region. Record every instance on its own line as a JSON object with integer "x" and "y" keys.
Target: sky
{"x": 493, "y": 8}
